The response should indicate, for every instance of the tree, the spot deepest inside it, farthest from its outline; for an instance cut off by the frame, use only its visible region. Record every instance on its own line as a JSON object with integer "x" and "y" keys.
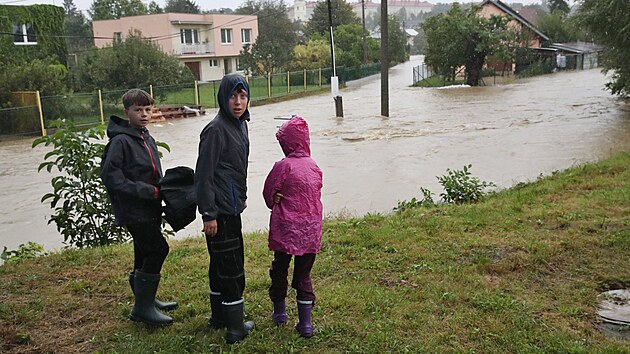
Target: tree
{"x": 556, "y": 26}
{"x": 349, "y": 46}
{"x": 277, "y": 36}
{"x": 559, "y": 6}
{"x": 115, "y": 9}
{"x": 134, "y": 62}
{"x": 77, "y": 29}
{"x": 342, "y": 14}
{"x": 397, "y": 41}
{"x": 182, "y": 6}
{"x": 313, "y": 54}
{"x": 44, "y": 75}
{"x": 461, "y": 38}
{"x": 154, "y": 8}
{"x": 445, "y": 44}
{"x": 222, "y": 10}
{"x": 419, "y": 42}
{"x": 609, "y": 23}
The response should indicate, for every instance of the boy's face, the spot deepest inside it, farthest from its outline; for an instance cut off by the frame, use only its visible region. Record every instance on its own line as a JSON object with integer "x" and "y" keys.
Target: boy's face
{"x": 139, "y": 116}
{"x": 238, "y": 102}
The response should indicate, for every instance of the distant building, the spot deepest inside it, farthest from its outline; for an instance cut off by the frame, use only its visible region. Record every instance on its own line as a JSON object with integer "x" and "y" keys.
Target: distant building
{"x": 576, "y": 55}
{"x": 536, "y": 38}
{"x": 498, "y": 8}
{"x": 208, "y": 44}
{"x": 302, "y": 10}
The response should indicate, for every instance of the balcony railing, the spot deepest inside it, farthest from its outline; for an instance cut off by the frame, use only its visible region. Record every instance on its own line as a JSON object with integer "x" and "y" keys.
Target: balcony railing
{"x": 195, "y": 49}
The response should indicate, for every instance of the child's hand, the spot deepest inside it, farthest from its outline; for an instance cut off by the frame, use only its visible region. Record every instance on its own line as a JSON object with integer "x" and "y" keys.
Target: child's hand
{"x": 210, "y": 228}
{"x": 277, "y": 198}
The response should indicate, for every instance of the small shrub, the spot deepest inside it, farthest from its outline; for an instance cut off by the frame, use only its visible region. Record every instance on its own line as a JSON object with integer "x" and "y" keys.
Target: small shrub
{"x": 29, "y": 250}
{"x": 426, "y": 201}
{"x": 83, "y": 212}
{"x": 460, "y": 187}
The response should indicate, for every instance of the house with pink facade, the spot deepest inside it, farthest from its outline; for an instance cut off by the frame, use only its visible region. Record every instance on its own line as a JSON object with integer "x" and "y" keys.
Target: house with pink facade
{"x": 517, "y": 21}
{"x": 208, "y": 44}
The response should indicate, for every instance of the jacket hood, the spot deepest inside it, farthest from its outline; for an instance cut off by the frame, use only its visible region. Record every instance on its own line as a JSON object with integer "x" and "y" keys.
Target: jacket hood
{"x": 118, "y": 125}
{"x": 228, "y": 85}
{"x": 294, "y": 138}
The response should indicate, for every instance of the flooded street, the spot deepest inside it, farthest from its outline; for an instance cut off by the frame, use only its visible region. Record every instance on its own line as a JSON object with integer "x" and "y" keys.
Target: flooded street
{"x": 510, "y": 133}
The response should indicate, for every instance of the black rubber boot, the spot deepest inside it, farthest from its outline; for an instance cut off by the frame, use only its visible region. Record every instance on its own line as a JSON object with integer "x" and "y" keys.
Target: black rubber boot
{"x": 217, "y": 321}
{"x": 144, "y": 310}
{"x": 236, "y": 329}
{"x": 161, "y": 305}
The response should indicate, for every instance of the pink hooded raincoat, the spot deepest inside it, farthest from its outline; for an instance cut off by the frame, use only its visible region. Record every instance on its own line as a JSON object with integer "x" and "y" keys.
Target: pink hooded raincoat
{"x": 296, "y": 222}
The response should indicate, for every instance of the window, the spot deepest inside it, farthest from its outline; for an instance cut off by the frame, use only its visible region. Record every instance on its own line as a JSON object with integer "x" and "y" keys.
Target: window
{"x": 226, "y": 36}
{"x": 214, "y": 63}
{"x": 189, "y": 36}
{"x": 24, "y": 34}
{"x": 246, "y": 35}
{"x": 238, "y": 64}
{"x": 118, "y": 37}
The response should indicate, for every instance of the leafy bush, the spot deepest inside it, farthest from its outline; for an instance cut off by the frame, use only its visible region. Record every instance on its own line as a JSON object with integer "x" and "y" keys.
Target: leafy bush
{"x": 426, "y": 201}
{"x": 460, "y": 187}
{"x": 83, "y": 212}
{"x": 539, "y": 67}
{"x": 29, "y": 250}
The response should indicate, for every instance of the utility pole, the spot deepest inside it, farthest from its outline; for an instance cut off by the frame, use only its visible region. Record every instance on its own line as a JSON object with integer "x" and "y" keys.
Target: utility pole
{"x": 334, "y": 80}
{"x": 364, "y": 40}
{"x": 384, "y": 61}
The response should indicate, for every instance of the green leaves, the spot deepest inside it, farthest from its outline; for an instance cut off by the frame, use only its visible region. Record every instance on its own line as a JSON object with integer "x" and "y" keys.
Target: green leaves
{"x": 460, "y": 187}
{"x": 84, "y": 217}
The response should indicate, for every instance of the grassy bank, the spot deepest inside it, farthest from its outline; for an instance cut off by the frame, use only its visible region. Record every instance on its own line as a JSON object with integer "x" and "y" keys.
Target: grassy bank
{"x": 517, "y": 273}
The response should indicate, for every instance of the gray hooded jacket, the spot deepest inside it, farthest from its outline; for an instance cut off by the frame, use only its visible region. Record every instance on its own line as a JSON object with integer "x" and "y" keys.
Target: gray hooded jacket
{"x": 221, "y": 171}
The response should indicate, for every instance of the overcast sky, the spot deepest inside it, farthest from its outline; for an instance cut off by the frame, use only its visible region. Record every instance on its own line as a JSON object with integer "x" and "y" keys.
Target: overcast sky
{"x": 84, "y": 5}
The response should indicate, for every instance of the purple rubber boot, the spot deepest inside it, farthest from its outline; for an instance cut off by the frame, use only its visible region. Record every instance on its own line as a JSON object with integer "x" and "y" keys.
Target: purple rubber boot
{"x": 279, "y": 314}
{"x": 304, "y": 326}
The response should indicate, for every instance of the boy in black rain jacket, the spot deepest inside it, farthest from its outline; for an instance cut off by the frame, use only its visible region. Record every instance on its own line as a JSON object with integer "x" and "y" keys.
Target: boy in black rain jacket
{"x": 131, "y": 171}
{"x": 221, "y": 188}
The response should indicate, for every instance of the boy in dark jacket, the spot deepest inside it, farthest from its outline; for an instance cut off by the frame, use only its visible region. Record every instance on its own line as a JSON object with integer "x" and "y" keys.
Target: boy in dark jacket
{"x": 131, "y": 170}
{"x": 221, "y": 188}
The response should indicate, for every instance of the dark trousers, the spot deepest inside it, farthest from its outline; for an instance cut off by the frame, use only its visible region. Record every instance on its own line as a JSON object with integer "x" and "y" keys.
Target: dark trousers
{"x": 301, "y": 281}
{"x": 149, "y": 246}
{"x": 227, "y": 259}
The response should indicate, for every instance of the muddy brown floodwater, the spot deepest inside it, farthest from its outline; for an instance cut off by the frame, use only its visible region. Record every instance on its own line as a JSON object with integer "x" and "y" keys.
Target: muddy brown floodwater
{"x": 510, "y": 133}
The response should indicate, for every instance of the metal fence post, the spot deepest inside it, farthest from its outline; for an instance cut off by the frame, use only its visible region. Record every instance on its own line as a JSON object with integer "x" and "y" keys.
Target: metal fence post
{"x": 288, "y": 81}
{"x": 196, "y": 93}
{"x": 305, "y": 79}
{"x": 41, "y": 112}
{"x": 320, "y": 77}
{"x": 268, "y": 84}
{"x": 100, "y": 104}
{"x": 151, "y": 90}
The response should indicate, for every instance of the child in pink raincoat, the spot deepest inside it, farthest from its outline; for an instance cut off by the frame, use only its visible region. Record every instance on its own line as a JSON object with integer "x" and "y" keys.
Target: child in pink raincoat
{"x": 293, "y": 193}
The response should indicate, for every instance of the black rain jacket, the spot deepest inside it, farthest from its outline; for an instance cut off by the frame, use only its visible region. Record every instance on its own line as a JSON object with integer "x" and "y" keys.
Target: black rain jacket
{"x": 131, "y": 171}
{"x": 221, "y": 170}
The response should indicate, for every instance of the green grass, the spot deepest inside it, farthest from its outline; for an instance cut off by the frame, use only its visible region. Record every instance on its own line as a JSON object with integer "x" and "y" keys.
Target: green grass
{"x": 518, "y": 272}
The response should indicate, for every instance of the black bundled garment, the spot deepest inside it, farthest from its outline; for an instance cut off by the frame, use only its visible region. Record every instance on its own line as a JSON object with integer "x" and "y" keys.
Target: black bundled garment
{"x": 178, "y": 190}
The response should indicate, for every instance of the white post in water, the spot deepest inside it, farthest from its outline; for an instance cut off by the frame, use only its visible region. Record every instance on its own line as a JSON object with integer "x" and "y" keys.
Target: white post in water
{"x": 334, "y": 80}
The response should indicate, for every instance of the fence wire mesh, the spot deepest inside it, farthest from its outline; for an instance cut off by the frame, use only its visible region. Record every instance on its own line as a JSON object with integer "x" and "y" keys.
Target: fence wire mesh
{"x": 87, "y": 109}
